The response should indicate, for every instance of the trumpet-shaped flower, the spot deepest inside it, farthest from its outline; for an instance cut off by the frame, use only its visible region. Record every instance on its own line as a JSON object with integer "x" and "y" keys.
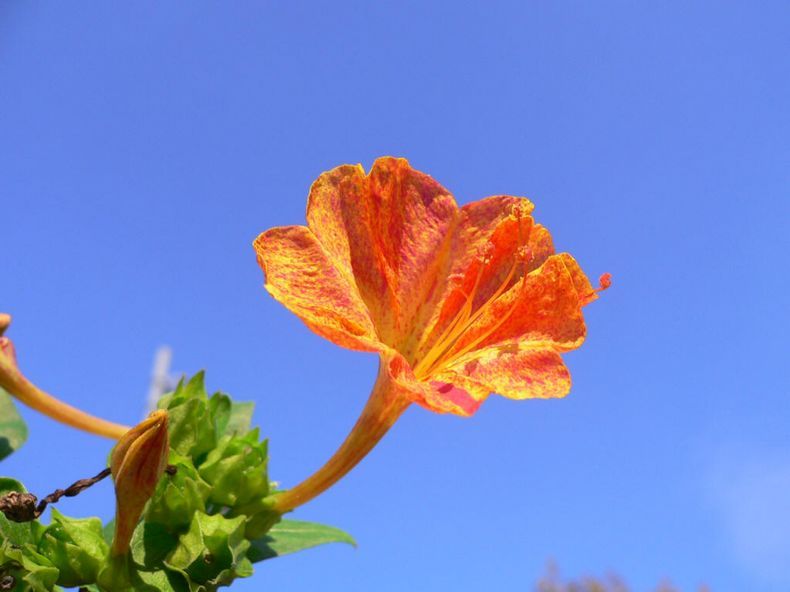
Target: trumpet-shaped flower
{"x": 458, "y": 302}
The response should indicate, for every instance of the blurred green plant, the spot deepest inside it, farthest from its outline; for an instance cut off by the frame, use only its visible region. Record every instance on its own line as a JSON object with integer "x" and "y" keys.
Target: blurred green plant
{"x": 13, "y": 431}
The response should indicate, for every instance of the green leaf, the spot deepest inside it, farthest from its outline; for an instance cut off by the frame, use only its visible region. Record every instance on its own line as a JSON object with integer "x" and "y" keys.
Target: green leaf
{"x": 236, "y": 470}
{"x": 290, "y": 536}
{"x": 231, "y": 418}
{"x": 158, "y": 581}
{"x": 76, "y": 546}
{"x": 151, "y": 544}
{"x": 121, "y": 574}
{"x": 31, "y": 571}
{"x": 178, "y": 497}
{"x": 13, "y": 431}
{"x": 192, "y": 430}
{"x": 212, "y": 553}
{"x": 109, "y": 531}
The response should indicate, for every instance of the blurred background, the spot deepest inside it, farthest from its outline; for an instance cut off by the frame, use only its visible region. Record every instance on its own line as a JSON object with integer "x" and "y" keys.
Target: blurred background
{"x": 143, "y": 147}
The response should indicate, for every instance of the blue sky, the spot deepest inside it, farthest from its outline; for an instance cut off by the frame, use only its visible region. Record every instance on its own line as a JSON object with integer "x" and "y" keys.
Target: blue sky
{"x": 143, "y": 146}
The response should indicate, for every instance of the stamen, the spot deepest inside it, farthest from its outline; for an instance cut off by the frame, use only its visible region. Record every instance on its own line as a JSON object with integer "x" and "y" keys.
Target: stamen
{"x": 449, "y": 334}
{"x": 441, "y": 353}
{"x": 604, "y": 282}
{"x": 486, "y": 334}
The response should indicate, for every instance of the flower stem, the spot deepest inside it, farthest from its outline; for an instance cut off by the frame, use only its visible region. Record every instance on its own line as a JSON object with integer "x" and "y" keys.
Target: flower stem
{"x": 384, "y": 407}
{"x": 13, "y": 381}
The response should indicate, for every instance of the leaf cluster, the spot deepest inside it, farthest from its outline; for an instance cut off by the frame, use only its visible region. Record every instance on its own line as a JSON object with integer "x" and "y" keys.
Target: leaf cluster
{"x": 207, "y": 523}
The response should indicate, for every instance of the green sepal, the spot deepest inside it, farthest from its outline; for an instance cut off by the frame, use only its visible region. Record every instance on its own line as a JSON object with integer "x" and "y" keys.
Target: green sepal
{"x": 290, "y": 536}
{"x": 178, "y": 496}
{"x": 192, "y": 429}
{"x": 13, "y": 431}
{"x": 212, "y": 553}
{"x": 236, "y": 470}
{"x": 76, "y": 546}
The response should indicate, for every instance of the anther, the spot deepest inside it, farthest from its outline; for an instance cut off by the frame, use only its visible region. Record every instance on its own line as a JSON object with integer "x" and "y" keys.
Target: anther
{"x": 604, "y": 282}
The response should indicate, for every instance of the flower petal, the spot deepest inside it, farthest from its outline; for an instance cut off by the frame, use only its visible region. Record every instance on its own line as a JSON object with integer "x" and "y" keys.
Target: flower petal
{"x": 513, "y": 372}
{"x": 392, "y": 230}
{"x": 437, "y": 397}
{"x": 496, "y": 242}
{"x": 545, "y": 308}
{"x": 302, "y": 276}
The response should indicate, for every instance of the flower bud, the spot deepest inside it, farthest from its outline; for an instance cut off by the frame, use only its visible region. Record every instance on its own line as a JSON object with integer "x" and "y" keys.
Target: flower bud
{"x": 137, "y": 463}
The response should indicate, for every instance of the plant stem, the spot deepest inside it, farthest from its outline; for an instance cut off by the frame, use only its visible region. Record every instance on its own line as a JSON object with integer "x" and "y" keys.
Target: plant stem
{"x": 385, "y": 405}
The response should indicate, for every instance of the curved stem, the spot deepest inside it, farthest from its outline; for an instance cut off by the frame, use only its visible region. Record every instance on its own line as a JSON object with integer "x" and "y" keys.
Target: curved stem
{"x": 13, "y": 381}
{"x": 382, "y": 410}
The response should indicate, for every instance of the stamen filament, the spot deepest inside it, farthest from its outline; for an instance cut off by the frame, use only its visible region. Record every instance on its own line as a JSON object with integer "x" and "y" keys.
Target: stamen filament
{"x": 438, "y": 356}
{"x": 441, "y": 353}
{"x": 479, "y": 339}
{"x": 449, "y": 333}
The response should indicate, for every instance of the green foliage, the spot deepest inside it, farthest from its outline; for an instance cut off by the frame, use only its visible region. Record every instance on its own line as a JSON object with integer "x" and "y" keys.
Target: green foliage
{"x": 236, "y": 470}
{"x": 213, "y": 552}
{"x": 207, "y": 522}
{"x": 193, "y": 430}
{"x": 20, "y": 561}
{"x": 76, "y": 547}
{"x": 290, "y": 536}
{"x": 178, "y": 496}
{"x": 13, "y": 431}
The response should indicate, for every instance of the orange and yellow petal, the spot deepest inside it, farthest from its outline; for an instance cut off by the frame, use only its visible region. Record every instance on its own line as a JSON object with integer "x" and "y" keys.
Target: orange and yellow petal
{"x": 392, "y": 230}
{"x": 302, "y": 276}
{"x": 488, "y": 249}
{"x": 436, "y": 396}
{"x": 490, "y": 255}
{"x": 544, "y": 307}
{"x": 514, "y": 372}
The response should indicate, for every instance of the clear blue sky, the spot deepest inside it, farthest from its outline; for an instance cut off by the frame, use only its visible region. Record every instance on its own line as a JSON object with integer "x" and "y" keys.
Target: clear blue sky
{"x": 143, "y": 146}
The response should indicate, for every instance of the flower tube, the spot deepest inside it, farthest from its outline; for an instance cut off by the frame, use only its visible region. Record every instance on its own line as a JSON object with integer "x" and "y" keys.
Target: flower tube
{"x": 457, "y": 302}
{"x": 16, "y": 384}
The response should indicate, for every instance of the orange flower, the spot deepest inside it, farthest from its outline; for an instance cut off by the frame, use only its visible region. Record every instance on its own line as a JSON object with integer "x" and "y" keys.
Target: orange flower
{"x": 458, "y": 302}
